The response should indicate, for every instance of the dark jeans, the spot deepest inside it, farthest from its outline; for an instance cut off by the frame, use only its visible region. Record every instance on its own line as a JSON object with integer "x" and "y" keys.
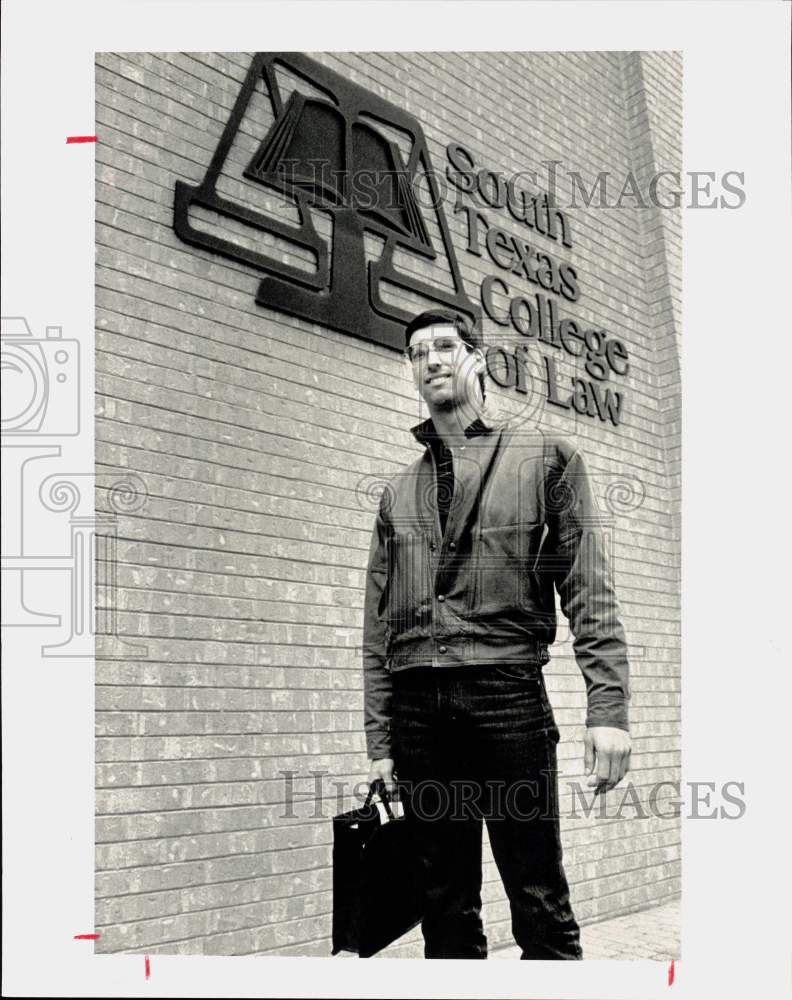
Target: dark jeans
{"x": 474, "y": 745}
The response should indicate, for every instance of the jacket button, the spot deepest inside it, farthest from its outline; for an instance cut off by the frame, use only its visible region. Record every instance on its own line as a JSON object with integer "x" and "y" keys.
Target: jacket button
{"x": 452, "y": 545}
{"x": 442, "y": 649}
{"x": 441, "y": 597}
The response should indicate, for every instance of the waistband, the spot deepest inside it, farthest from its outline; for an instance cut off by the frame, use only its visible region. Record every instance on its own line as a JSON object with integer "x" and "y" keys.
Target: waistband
{"x": 467, "y": 651}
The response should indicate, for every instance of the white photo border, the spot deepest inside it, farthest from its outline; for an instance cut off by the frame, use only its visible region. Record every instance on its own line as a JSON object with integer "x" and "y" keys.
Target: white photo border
{"x": 735, "y": 403}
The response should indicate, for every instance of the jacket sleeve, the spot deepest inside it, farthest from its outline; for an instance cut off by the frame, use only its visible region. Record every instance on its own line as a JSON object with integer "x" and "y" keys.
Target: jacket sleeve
{"x": 583, "y": 580}
{"x": 377, "y": 683}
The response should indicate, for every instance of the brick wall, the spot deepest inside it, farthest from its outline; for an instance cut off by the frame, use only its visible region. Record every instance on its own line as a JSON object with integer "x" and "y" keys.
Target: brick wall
{"x": 240, "y": 575}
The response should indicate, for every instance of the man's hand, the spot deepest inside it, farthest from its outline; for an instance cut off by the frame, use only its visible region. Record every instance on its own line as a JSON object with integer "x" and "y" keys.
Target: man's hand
{"x": 607, "y": 757}
{"x": 383, "y": 768}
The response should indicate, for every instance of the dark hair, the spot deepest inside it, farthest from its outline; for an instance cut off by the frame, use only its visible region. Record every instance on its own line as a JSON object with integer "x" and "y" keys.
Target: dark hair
{"x": 433, "y": 316}
{"x": 466, "y": 330}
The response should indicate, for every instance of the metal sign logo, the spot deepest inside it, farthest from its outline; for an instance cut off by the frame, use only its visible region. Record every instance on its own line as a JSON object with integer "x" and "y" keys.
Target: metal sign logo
{"x": 340, "y": 151}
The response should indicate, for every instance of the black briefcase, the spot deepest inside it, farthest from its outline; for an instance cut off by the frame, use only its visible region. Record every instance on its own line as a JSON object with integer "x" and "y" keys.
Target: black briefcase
{"x": 377, "y": 878}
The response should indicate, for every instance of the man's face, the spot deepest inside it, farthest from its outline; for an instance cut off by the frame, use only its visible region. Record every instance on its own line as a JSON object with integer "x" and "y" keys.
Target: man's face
{"x": 444, "y": 368}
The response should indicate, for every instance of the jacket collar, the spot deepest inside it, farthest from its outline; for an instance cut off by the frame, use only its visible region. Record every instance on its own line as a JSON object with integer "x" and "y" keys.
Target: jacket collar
{"x": 425, "y": 433}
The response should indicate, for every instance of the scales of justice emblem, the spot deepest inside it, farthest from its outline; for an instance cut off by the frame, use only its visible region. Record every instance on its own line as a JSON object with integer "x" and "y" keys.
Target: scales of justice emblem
{"x": 337, "y": 149}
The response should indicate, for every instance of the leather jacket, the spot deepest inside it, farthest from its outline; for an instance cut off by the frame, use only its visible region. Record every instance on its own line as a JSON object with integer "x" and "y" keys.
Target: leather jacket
{"x": 523, "y": 524}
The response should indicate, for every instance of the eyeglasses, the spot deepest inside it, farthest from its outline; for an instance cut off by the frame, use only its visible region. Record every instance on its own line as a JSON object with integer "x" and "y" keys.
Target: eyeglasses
{"x": 444, "y": 346}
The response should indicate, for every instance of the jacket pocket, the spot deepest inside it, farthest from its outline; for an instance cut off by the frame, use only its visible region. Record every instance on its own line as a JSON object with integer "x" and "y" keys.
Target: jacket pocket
{"x": 408, "y": 598}
{"x": 504, "y": 569}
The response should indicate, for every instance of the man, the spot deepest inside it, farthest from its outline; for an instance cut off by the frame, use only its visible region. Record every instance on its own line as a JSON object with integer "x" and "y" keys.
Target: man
{"x": 470, "y": 544}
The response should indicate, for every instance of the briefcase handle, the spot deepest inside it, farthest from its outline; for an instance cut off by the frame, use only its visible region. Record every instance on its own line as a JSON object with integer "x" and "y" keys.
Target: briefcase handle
{"x": 378, "y": 786}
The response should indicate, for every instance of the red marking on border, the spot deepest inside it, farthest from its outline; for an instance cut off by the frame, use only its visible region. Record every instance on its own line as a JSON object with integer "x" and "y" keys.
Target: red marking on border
{"x": 86, "y": 937}
{"x": 671, "y": 973}
{"x": 148, "y": 967}
{"x": 80, "y": 138}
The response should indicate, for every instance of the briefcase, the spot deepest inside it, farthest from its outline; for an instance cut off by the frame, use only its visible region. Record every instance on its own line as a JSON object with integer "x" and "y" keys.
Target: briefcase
{"x": 377, "y": 878}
